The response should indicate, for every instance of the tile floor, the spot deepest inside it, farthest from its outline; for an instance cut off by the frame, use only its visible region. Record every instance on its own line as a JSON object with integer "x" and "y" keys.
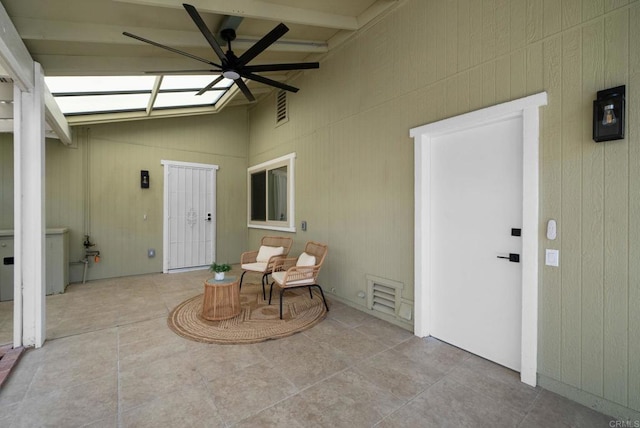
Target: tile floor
{"x": 6, "y": 322}
{"x": 111, "y": 361}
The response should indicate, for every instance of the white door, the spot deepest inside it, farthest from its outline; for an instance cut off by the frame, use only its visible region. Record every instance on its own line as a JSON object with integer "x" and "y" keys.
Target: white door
{"x": 475, "y": 202}
{"x": 190, "y": 222}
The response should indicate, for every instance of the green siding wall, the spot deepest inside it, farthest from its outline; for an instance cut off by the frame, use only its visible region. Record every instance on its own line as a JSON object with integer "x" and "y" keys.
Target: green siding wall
{"x": 95, "y": 187}
{"x": 429, "y": 60}
{"x": 425, "y": 61}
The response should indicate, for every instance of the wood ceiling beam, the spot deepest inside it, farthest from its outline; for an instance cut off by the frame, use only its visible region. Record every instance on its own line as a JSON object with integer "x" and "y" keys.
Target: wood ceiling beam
{"x": 16, "y": 61}
{"x": 42, "y": 29}
{"x": 55, "y": 119}
{"x": 262, "y": 10}
{"x": 95, "y": 65}
{"x": 73, "y": 65}
{"x": 14, "y": 56}
{"x": 374, "y": 11}
{"x": 370, "y": 16}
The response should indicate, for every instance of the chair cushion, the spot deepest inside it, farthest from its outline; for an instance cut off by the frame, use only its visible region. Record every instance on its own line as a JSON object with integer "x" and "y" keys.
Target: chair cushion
{"x": 255, "y": 267}
{"x": 306, "y": 259}
{"x": 265, "y": 253}
{"x": 278, "y": 277}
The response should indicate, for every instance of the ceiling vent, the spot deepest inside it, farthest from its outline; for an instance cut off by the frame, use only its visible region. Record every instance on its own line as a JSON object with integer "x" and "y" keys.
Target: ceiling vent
{"x": 282, "y": 108}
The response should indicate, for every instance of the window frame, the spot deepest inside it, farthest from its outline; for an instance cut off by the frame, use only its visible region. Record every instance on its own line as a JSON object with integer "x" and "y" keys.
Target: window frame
{"x": 288, "y": 225}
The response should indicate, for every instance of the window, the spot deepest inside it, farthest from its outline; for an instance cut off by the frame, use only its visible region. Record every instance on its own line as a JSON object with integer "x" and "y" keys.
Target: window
{"x": 271, "y": 194}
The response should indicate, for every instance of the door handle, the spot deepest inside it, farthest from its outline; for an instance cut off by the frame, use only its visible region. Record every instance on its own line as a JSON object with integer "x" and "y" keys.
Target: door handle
{"x": 208, "y": 216}
{"x": 514, "y": 258}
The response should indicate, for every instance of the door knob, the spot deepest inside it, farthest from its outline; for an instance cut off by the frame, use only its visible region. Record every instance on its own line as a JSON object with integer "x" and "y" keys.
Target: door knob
{"x": 515, "y": 258}
{"x": 208, "y": 216}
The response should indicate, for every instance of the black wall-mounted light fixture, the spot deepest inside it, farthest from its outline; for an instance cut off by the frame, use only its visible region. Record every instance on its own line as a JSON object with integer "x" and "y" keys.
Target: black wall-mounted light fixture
{"x": 144, "y": 179}
{"x": 608, "y": 115}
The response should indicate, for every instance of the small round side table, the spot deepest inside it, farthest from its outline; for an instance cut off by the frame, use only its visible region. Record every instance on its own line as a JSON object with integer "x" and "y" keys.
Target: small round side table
{"x": 221, "y": 299}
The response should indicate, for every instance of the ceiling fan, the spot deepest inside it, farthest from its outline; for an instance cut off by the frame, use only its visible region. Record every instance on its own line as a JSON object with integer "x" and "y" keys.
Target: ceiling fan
{"x": 231, "y": 66}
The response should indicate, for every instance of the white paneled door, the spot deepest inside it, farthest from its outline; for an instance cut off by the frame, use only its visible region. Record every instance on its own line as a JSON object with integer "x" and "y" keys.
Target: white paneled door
{"x": 475, "y": 221}
{"x": 189, "y": 215}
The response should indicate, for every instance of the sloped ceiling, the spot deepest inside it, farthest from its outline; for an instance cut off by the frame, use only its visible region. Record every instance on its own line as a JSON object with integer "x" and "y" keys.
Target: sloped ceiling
{"x": 84, "y": 37}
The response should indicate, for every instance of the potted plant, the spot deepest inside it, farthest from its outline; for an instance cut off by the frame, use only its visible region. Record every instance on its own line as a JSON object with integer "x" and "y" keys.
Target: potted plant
{"x": 219, "y": 270}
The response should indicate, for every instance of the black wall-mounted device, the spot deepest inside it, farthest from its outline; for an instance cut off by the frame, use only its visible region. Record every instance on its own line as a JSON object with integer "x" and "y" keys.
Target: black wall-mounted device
{"x": 144, "y": 179}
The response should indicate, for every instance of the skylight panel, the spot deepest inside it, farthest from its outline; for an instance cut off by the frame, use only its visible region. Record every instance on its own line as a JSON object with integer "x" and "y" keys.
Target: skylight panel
{"x": 192, "y": 82}
{"x": 186, "y": 99}
{"x": 93, "y": 84}
{"x": 86, "y": 104}
{"x": 88, "y": 95}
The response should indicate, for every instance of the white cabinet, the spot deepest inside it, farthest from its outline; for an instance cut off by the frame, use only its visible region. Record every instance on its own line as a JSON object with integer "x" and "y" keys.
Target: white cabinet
{"x": 6, "y": 267}
{"x": 57, "y": 264}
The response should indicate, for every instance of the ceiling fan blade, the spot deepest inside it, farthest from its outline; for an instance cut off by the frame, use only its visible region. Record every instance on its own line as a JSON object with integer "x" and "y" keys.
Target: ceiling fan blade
{"x": 170, "y": 49}
{"x": 210, "y": 85}
{"x": 245, "y": 90}
{"x": 281, "y": 67}
{"x": 262, "y": 44}
{"x": 269, "y": 82}
{"x": 195, "y": 16}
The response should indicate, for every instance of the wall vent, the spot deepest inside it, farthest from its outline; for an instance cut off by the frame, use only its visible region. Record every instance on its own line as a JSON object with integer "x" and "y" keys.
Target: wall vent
{"x": 282, "y": 108}
{"x": 383, "y": 295}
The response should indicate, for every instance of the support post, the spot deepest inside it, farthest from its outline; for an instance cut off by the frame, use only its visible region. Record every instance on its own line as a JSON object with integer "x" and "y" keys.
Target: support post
{"x": 29, "y": 213}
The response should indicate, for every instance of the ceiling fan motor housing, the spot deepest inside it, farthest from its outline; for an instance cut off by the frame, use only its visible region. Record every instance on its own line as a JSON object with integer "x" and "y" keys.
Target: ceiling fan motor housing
{"x": 228, "y": 34}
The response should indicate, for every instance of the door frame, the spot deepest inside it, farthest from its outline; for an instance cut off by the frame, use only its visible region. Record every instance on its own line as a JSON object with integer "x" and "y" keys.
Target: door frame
{"x": 528, "y": 109}
{"x": 165, "y": 214}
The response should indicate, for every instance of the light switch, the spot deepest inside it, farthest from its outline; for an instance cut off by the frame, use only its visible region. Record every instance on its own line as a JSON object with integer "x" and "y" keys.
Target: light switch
{"x": 552, "y": 257}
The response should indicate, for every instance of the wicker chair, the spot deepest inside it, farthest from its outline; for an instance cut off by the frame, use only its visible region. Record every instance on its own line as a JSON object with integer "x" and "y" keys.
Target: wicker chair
{"x": 301, "y": 272}
{"x": 262, "y": 261}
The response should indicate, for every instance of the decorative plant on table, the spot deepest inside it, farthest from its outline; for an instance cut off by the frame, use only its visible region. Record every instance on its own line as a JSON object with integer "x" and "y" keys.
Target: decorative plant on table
{"x": 219, "y": 270}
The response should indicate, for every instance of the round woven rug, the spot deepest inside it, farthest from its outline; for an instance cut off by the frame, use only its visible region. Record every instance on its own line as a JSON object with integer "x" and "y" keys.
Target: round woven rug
{"x": 258, "y": 321}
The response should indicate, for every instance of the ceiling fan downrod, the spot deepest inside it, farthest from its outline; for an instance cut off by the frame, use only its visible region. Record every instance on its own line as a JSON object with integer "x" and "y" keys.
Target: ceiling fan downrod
{"x": 228, "y": 67}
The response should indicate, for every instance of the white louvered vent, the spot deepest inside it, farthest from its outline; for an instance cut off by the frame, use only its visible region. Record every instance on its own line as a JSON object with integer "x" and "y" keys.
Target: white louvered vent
{"x": 383, "y": 295}
{"x": 282, "y": 108}
{"x": 384, "y": 299}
